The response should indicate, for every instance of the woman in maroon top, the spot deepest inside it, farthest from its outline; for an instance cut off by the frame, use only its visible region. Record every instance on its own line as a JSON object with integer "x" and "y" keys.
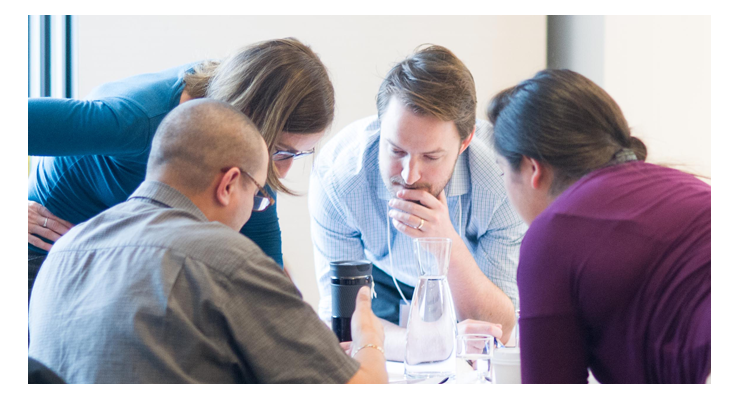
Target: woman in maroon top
{"x": 615, "y": 269}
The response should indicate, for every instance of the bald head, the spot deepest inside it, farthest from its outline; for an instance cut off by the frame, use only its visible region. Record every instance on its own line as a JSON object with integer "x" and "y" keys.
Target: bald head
{"x": 198, "y": 139}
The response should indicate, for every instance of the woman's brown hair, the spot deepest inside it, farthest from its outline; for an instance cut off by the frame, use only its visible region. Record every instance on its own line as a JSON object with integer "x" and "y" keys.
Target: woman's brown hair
{"x": 281, "y": 85}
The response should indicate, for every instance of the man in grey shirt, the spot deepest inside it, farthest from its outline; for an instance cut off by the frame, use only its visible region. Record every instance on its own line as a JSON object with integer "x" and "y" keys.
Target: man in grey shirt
{"x": 163, "y": 289}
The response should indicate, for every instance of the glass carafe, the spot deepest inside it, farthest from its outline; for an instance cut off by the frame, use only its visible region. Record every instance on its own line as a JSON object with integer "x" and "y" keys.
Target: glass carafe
{"x": 432, "y": 324}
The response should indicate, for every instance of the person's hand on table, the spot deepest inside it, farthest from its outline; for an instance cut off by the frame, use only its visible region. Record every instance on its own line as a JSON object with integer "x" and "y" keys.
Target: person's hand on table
{"x": 347, "y": 347}
{"x": 472, "y": 326}
{"x": 45, "y": 224}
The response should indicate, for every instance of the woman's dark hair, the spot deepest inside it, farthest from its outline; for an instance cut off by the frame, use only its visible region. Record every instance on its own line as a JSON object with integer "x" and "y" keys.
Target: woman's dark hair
{"x": 563, "y": 119}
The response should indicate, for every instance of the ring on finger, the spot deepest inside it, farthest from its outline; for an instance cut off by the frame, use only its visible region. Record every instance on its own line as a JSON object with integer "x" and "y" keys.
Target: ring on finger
{"x": 421, "y": 223}
{"x": 46, "y": 220}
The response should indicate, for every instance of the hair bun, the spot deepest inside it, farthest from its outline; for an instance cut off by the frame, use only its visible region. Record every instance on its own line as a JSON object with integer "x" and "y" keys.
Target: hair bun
{"x": 638, "y": 147}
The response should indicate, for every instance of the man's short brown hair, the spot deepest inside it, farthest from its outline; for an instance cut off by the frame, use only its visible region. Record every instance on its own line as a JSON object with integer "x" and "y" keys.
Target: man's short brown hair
{"x": 432, "y": 81}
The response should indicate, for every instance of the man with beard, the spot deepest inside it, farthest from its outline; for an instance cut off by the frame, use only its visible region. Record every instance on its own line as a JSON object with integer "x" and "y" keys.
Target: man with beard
{"x": 422, "y": 167}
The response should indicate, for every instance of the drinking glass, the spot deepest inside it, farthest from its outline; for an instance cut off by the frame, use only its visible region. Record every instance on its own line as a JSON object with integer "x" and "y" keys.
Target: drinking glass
{"x": 474, "y": 359}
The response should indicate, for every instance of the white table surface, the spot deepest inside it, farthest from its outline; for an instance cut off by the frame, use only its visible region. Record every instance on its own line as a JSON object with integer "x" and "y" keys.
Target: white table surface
{"x": 395, "y": 373}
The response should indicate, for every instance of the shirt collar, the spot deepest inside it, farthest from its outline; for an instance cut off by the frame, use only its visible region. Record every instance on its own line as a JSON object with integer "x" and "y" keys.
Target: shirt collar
{"x": 167, "y": 195}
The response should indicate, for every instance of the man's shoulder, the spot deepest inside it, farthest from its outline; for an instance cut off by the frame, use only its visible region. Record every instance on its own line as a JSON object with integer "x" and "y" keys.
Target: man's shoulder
{"x": 351, "y": 141}
{"x": 136, "y": 226}
{"x": 350, "y": 157}
{"x": 484, "y": 171}
{"x": 213, "y": 244}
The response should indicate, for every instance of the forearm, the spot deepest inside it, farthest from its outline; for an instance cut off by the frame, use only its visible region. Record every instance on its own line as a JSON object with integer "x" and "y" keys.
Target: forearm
{"x": 474, "y": 295}
{"x": 395, "y": 341}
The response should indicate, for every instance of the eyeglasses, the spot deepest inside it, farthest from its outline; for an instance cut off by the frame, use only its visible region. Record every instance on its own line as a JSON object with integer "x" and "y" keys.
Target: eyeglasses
{"x": 282, "y": 155}
{"x": 262, "y": 200}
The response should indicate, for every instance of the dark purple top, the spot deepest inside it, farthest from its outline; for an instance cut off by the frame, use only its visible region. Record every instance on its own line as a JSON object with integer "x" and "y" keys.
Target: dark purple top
{"x": 615, "y": 276}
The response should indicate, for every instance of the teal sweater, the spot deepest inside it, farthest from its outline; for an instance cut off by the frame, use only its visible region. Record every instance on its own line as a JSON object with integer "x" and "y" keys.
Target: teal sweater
{"x": 95, "y": 150}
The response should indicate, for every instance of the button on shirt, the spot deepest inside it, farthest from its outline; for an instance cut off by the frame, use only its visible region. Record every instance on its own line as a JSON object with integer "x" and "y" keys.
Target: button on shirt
{"x": 348, "y": 203}
{"x": 150, "y": 291}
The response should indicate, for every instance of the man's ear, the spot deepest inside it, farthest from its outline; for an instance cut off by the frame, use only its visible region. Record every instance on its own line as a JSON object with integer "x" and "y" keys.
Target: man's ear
{"x": 466, "y": 142}
{"x": 226, "y": 186}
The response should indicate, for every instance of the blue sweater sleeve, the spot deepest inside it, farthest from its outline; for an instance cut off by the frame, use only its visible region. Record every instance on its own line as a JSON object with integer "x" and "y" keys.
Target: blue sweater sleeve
{"x": 264, "y": 230}
{"x": 63, "y": 127}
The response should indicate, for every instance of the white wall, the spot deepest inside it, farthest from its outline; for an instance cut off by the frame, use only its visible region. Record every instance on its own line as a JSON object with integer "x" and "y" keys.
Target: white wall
{"x": 499, "y": 51}
{"x": 657, "y": 68}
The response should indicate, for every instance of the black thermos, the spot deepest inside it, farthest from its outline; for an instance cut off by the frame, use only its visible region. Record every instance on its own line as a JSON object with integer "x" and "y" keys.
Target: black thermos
{"x": 347, "y": 277}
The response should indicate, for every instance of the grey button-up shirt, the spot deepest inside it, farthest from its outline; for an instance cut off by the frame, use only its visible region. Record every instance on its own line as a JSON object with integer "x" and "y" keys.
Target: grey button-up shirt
{"x": 150, "y": 291}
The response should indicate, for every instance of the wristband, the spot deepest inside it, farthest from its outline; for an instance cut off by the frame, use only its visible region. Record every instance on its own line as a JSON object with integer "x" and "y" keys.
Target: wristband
{"x": 369, "y": 345}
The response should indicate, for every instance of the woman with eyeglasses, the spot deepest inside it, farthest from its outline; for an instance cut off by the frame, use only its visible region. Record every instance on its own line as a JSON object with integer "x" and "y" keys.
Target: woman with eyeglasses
{"x": 615, "y": 269}
{"x": 95, "y": 150}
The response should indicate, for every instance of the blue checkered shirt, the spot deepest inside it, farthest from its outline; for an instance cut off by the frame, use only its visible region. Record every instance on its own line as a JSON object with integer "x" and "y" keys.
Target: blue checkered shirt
{"x": 348, "y": 203}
